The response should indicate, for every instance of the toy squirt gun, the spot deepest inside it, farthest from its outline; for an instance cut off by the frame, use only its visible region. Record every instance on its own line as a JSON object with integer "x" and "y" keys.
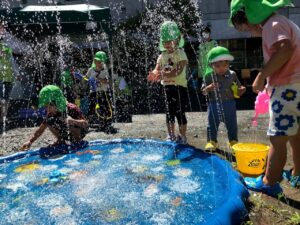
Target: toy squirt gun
{"x": 235, "y": 90}
{"x": 93, "y": 84}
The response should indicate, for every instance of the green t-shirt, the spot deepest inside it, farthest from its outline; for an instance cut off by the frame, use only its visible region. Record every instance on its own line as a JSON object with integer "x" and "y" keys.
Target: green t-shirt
{"x": 66, "y": 79}
{"x": 6, "y": 68}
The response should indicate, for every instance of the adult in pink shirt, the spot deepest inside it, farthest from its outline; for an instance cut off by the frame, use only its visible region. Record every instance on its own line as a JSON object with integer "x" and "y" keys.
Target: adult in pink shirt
{"x": 281, "y": 48}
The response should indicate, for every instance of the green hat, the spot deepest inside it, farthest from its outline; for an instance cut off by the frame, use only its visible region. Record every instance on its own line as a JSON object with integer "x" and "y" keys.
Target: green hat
{"x": 169, "y": 31}
{"x": 217, "y": 54}
{"x": 257, "y": 10}
{"x": 99, "y": 56}
{"x": 52, "y": 94}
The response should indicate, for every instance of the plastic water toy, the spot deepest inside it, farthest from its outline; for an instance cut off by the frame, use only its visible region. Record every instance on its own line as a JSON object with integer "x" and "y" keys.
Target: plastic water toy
{"x": 235, "y": 88}
{"x": 129, "y": 181}
{"x": 261, "y": 106}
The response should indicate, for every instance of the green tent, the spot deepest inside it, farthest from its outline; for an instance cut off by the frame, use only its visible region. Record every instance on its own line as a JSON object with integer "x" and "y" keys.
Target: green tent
{"x": 64, "y": 19}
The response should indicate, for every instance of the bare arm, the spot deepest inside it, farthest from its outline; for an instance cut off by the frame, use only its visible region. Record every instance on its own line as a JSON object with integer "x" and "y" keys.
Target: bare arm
{"x": 155, "y": 75}
{"x": 36, "y": 135}
{"x": 82, "y": 123}
{"x": 283, "y": 51}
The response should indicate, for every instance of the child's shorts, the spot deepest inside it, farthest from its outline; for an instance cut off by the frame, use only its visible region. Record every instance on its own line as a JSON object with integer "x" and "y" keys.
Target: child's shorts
{"x": 284, "y": 110}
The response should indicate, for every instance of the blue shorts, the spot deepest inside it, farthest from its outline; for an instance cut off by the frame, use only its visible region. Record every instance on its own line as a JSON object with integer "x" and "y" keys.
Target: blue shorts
{"x": 284, "y": 110}
{"x": 5, "y": 89}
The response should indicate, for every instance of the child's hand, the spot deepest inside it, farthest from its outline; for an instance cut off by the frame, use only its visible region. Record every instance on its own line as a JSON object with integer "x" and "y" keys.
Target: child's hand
{"x": 166, "y": 73}
{"x": 258, "y": 84}
{"x": 154, "y": 76}
{"x": 85, "y": 124}
{"x": 69, "y": 120}
{"x": 26, "y": 145}
{"x": 241, "y": 90}
{"x": 212, "y": 87}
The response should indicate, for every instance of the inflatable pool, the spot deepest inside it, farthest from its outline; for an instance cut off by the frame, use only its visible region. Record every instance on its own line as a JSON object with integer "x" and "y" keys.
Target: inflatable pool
{"x": 130, "y": 181}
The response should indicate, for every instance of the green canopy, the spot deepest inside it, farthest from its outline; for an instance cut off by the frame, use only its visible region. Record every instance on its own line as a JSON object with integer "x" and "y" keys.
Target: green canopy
{"x": 67, "y": 19}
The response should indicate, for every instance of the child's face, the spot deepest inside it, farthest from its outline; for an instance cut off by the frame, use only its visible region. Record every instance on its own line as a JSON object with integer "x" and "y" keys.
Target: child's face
{"x": 99, "y": 64}
{"x": 170, "y": 45}
{"x": 254, "y": 30}
{"x": 51, "y": 109}
{"x": 220, "y": 67}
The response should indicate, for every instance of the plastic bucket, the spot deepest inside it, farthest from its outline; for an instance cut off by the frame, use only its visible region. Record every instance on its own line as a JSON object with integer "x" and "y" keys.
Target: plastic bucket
{"x": 251, "y": 158}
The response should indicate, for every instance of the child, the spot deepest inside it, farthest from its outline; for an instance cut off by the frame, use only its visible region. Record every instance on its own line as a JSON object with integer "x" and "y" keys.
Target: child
{"x": 205, "y": 46}
{"x": 64, "y": 120}
{"x": 281, "y": 48}
{"x": 99, "y": 99}
{"x": 171, "y": 71}
{"x": 221, "y": 104}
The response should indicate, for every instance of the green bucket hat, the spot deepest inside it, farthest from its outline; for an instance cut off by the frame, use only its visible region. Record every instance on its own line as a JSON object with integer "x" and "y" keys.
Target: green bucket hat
{"x": 52, "y": 94}
{"x": 99, "y": 56}
{"x": 169, "y": 31}
{"x": 217, "y": 54}
{"x": 257, "y": 10}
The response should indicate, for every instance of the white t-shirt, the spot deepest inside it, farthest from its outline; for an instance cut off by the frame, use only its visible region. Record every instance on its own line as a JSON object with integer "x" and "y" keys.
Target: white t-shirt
{"x": 170, "y": 61}
{"x": 98, "y": 75}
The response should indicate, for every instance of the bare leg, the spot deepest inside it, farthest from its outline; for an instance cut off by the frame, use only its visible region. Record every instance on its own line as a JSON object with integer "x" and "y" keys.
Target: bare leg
{"x": 76, "y": 134}
{"x": 276, "y": 159}
{"x": 182, "y": 129}
{"x": 294, "y": 142}
{"x": 171, "y": 129}
{"x": 57, "y": 135}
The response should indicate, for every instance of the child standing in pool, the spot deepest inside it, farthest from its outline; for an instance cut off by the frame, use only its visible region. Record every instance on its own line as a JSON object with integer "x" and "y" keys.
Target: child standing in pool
{"x": 170, "y": 70}
{"x": 217, "y": 86}
{"x": 281, "y": 48}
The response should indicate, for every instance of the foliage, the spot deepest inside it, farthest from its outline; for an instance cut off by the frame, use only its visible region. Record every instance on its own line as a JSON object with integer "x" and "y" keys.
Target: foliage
{"x": 295, "y": 219}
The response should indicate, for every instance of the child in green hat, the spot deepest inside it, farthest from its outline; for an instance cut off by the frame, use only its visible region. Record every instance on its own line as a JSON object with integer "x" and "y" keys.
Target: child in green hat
{"x": 100, "y": 98}
{"x": 170, "y": 70}
{"x": 217, "y": 86}
{"x": 281, "y": 48}
{"x": 64, "y": 120}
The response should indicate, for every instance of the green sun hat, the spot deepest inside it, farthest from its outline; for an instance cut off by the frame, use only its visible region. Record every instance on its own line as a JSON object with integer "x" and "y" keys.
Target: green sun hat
{"x": 257, "y": 10}
{"x": 99, "y": 56}
{"x": 52, "y": 94}
{"x": 217, "y": 54}
{"x": 169, "y": 31}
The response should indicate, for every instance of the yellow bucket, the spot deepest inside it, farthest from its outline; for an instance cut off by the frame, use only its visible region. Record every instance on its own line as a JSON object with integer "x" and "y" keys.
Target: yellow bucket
{"x": 251, "y": 158}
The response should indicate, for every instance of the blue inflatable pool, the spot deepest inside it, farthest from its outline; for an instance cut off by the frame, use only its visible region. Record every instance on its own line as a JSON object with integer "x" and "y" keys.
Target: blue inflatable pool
{"x": 130, "y": 181}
